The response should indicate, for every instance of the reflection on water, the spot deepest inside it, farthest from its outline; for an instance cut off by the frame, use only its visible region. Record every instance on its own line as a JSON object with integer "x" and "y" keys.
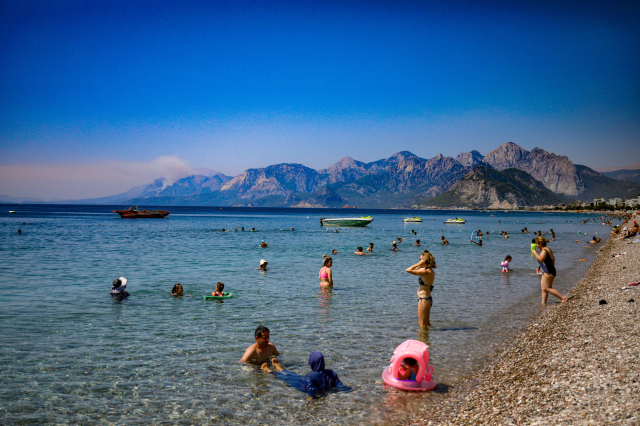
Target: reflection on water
{"x": 71, "y": 354}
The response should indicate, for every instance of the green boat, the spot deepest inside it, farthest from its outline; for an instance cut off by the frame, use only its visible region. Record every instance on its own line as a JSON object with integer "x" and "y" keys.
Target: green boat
{"x": 347, "y": 221}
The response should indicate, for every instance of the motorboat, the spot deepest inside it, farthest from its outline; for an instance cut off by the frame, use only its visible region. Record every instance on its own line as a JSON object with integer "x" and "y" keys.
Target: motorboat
{"x": 135, "y": 213}
{"x": 347, "y": 221}
{"x": 456, "y": 220}
{"x": 413, "y": 219}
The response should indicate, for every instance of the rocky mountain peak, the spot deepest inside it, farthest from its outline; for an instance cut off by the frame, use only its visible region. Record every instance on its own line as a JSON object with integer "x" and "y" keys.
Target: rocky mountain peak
{"x": 556, "y": 172}
{"x": 469, "y": 159}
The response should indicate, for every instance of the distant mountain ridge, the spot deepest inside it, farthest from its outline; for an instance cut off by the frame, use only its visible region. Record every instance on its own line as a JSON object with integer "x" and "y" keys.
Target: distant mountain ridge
{"x": 402, "y": 179}
{"x": 487, "y": 188}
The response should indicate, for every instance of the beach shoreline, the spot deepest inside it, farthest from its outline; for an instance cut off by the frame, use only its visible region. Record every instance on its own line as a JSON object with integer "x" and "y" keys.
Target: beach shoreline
{"x": 574, "y": 363}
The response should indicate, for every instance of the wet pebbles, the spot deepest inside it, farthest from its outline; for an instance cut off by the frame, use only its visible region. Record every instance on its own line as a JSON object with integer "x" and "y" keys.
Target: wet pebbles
{"x": 577, "y": 363}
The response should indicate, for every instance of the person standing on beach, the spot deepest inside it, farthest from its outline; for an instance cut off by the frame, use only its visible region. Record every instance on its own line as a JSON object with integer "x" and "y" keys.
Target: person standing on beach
{"x": 424, "y": 269}
{"x": 547, "y": 263}
{"x": 325, "y": 275}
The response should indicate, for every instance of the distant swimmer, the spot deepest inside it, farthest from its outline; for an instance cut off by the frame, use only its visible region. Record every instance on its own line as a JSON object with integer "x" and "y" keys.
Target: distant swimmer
{"x": 177, "y": 290}
{"x": 262, "y": 351}
{"x": 263, "y": 244}
{"x": 263, "y": 265}
{"x": 360, "y": 252}
{"x": 326, "y": 275}
{"x": 370, "y": 248}
{"x": 417, "y": 244}
{"x": 119, "y": 287}
{"x": 219, "y": 290}
{"x": 444, "y": 240}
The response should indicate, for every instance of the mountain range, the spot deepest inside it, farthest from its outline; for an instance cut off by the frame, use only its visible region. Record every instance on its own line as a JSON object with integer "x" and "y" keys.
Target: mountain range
{"x": 505, "y": 177}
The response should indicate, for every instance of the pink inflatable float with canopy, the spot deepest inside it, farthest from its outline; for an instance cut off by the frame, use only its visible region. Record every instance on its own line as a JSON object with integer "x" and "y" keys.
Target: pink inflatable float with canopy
{"x": 418, "y": 351}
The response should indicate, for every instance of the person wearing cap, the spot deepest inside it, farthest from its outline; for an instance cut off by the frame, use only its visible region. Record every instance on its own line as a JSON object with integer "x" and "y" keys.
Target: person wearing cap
{"x": 263, "y": 265}
{"x": 263, "y": 244}
{"x": 119, "y": 287}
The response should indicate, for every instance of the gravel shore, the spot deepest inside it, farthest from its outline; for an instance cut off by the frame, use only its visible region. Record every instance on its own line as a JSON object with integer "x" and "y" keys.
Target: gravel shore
{"x": 577, "y": 363}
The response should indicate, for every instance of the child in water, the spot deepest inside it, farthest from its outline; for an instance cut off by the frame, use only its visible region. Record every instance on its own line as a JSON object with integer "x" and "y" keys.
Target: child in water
{"x": 505, "y": 264}
{"x": 219, "y": 290}
{"x": 177, "y": 290}
{"x": 408, "y": 370}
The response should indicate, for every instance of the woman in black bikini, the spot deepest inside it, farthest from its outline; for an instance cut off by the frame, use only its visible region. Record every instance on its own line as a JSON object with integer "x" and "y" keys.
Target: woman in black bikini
{"x": 425, "y": 272}
{"x": 547, "y": 265}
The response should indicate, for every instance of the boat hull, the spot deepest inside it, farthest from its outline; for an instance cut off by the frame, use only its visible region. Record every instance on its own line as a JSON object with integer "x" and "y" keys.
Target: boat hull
{"x": 347, "y": 221}
{"x": 144, "y": 214}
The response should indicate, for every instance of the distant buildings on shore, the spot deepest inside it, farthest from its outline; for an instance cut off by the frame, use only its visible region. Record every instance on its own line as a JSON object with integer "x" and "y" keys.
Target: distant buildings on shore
{"x": 596, "y": 204}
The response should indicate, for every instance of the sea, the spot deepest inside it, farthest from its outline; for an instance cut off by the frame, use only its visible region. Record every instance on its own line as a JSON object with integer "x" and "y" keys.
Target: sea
{"x": 70, "y": 353}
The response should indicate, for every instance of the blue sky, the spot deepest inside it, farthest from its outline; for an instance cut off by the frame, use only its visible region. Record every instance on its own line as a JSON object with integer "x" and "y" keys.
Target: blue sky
{"x": 98, "y": 96}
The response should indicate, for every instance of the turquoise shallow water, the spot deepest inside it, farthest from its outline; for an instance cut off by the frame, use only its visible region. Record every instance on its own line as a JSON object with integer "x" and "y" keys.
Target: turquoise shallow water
{"x": 71, "y": 354}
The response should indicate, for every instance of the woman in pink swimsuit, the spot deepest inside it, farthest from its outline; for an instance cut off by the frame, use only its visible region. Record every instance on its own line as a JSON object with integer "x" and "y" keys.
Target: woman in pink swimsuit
{"x": 325, "y": 275}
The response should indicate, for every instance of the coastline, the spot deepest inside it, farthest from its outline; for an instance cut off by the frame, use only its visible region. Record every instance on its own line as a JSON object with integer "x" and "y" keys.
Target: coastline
{"x": 575, "y": 363}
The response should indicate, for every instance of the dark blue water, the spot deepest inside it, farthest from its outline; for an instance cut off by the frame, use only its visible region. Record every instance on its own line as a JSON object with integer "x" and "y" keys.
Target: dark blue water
{"x": 71, "y": 354}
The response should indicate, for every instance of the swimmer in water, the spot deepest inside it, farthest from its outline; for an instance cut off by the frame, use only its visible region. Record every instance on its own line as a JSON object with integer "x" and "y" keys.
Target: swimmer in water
{"x": 177, "y": 290}
{"x": 360, "y": 252}
{"x": 262, "y": 351}
{"x": 326, "y": 275}
{"x": 424, "y": 269}
{"x": 263, "y": 265}
{"x": 219, "y": 290}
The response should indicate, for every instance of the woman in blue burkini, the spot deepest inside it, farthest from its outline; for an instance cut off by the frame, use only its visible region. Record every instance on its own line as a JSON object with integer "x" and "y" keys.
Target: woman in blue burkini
{"x": 320, "y": 378}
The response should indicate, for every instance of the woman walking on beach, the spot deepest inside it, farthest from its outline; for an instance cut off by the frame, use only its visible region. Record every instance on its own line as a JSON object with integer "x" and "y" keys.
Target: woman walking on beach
{"x": 325, "y": 275}
{"x": 426, "y": 274}
{"x": 547, "y": 265}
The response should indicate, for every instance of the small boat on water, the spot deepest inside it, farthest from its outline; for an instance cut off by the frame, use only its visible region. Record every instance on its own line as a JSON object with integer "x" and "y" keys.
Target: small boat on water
{"x": 134, "y": 213}
{"x": 347, "y": 221}
{"x": 456, "y": 220}
{"x": 413, "y": 219}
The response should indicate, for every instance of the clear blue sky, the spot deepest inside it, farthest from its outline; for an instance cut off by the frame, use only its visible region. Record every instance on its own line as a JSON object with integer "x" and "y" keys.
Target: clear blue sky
{"x": 89, "y": 86}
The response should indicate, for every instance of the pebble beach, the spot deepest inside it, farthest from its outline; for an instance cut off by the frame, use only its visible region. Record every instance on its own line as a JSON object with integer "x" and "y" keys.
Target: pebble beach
{"x": 576, "y": 363}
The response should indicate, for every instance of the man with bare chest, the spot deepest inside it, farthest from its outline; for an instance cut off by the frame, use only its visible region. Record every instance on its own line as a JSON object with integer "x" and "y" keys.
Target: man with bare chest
{"x": 262, "y": 351}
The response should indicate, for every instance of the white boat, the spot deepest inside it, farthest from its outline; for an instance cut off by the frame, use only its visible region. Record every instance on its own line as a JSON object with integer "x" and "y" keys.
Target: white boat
{"x": 456, "y": 220}
{"x": 347, "y": 221}
{"x": 413, "y": 219}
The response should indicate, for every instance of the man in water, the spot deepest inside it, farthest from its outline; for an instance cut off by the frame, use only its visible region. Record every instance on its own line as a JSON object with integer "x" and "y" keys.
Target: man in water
{"x": 261, "y": 351}
{"x": 119, "y": 287}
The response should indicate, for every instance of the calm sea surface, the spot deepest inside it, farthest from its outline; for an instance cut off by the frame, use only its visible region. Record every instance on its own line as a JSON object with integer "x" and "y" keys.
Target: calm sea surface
{"x": 71, "y": 354}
